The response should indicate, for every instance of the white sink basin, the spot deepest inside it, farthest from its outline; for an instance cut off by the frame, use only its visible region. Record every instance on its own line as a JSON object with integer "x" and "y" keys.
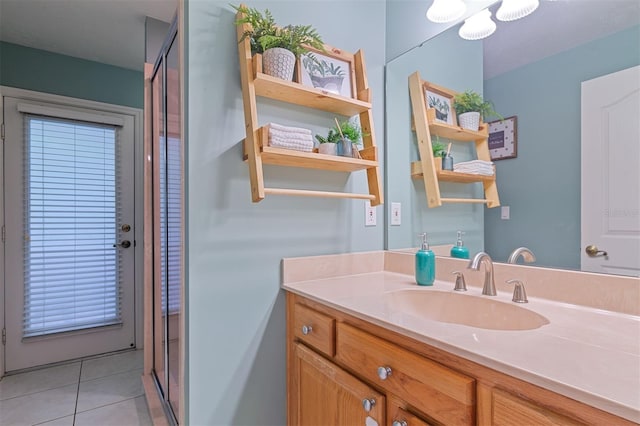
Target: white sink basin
{"x": 459, "y": 308}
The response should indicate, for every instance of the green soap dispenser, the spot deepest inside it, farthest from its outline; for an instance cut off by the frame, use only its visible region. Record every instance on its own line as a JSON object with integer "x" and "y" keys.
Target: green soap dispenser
{"x": 425, "y": 263}
{"x": 459, "y": 250}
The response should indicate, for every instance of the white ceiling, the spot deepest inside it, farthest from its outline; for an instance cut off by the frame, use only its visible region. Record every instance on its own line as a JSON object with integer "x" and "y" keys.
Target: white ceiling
{"x": 112, "y": 31}
{"x": 108, "y": 31}
{"x": 554, "y": 27}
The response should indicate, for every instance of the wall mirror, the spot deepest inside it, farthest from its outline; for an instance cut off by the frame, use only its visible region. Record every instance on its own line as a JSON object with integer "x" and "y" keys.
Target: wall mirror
{"x": 532, "y": 68}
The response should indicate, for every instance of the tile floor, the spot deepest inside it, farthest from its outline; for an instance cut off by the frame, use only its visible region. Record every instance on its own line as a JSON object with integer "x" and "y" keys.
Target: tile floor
{"x": 101, "y": 391}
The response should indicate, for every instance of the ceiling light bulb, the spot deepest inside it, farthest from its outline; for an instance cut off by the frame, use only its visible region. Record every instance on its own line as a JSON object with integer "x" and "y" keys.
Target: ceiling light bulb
{"x": 478, "y": 26}
{"x": 442, "y": 11}
{"x": 510, "y": 10}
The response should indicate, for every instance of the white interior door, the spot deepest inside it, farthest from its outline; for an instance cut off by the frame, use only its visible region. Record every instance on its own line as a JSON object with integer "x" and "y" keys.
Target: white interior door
{"x": 69, "y": 265}
{"x": 611, "y": 173}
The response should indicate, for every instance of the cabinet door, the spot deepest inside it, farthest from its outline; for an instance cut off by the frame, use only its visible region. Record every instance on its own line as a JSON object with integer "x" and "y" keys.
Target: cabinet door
{"x": 508, "y": 409}
{"x": 323, "y": 394}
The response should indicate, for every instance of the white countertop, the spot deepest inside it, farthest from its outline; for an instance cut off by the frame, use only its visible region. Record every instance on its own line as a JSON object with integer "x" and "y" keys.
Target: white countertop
{"x": 587, "y": 354}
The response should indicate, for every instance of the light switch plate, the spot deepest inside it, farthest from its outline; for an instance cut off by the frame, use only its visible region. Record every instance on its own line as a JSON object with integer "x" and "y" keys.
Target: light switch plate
{"x": 369, "y": 214}
{"x": 396, "y": 214}
{"x": 505, "y": 214}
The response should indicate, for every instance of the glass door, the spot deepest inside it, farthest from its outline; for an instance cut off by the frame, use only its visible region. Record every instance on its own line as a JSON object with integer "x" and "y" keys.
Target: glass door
{"x": 167, "y": 225}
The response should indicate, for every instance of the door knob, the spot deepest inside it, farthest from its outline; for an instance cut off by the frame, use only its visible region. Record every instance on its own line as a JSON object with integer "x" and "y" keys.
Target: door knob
{"x": 593, "y": 251}
{"x": 384, "y": 372}
{"x": 124, "y": 244}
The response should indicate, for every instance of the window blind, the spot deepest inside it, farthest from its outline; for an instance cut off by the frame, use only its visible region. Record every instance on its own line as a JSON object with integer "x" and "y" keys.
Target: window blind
{"x": 72, "y": 268}
{"x": 171, "y": 223}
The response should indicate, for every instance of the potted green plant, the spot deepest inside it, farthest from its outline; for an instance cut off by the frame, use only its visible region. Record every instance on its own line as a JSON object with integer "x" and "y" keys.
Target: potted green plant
{"x": 329, "y": 144}
{"x": 324, "y": 75}
{"x": 439, "y": 151}
{"x": 470, "y": 108}
{"x": 352, "y": 135}
{"x": 280, "y": 46}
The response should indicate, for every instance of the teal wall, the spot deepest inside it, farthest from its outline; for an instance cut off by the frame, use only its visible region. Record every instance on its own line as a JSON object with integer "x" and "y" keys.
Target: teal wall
{"x": 542, "y": 185}
{"x": 449, "y": 61}
{"x": 42, "y": 71}
{"x": 235, "y": 308}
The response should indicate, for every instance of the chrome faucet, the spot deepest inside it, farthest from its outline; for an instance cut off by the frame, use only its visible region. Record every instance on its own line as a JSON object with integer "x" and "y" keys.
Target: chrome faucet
{"x": 489, "y": 288}
{"x": 527, "y": 255}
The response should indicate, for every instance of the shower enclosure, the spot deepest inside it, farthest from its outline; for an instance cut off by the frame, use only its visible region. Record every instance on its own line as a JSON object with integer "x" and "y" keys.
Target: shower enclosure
{"x": 164, "y": 231}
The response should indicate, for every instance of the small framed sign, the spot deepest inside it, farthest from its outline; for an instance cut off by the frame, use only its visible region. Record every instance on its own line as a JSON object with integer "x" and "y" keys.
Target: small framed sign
{"x": 503, "y": 138}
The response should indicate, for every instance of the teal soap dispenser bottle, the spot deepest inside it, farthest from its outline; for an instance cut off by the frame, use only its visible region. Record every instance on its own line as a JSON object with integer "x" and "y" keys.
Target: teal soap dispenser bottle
{"x": 459, "y": 250}
{"x": 425, "y": 263}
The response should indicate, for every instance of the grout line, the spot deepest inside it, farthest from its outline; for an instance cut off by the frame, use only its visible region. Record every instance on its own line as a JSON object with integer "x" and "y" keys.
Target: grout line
{"x": 111, "y": 403}
{"x": 75, "y": 408}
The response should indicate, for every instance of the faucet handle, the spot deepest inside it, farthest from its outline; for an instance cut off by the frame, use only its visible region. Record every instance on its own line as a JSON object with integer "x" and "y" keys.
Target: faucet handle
{"x": 519, "y": 295}
{"x": 460, "y": 284}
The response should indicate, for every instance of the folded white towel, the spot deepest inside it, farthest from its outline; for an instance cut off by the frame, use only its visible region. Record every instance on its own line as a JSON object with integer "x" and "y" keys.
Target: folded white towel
{"x": 291, "y": 144}
{"x": 476, "y": 167}
{"x": 288, "y": 129}
{"x": 290, "y": 135}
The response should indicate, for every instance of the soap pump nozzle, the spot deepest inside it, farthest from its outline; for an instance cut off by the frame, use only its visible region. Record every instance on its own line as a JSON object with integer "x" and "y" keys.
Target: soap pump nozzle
{"x": 459, "y": 243}
{"x": 425, "y": 244}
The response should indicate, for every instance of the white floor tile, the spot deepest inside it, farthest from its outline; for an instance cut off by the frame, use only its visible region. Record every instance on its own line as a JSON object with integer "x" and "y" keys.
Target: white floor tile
{"x": 63, "y": 421}
{"x": 39, "y": 380}
{"x": 38, "y": 407}
{"x": 132, "y": 412}
{"x": 108, "y": 390}
{"x": 111, "y": 364}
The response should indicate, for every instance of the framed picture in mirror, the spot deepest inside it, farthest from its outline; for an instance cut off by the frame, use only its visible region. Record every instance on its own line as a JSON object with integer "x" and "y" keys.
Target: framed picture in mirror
{"x": 503, "y": 138}
{"x": 441, "y": 100}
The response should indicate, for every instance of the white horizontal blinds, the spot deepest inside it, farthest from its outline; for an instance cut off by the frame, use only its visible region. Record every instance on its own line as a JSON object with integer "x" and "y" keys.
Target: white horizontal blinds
{"x": 174, "y": 222}
{"x": 71, "y": 195}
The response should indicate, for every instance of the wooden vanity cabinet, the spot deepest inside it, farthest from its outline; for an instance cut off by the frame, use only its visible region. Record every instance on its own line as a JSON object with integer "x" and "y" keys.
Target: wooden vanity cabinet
{"x": 348, "y": 360}
{"x": 324, "y": 394}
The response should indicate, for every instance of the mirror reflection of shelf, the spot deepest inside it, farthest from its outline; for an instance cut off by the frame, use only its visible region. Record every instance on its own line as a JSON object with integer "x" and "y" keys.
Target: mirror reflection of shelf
{"x": 426, "y": 126}
{"x": 451, "y": 176}
{"x": 457, "y": 133}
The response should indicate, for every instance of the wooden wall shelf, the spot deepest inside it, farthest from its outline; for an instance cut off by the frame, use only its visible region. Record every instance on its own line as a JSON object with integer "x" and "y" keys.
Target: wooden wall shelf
{"x": 449, "y": 176}
{"x": 425, "y": 125}
{"x": 257, "y": 152}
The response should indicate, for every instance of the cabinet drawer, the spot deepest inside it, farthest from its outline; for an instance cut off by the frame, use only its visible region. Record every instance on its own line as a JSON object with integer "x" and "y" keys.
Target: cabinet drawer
{"x": 441, "y": 393}
{"x": 315, "y": 329}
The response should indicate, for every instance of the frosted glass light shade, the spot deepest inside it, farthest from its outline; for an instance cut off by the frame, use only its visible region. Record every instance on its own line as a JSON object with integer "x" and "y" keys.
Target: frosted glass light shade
{"x": 442, "y": 11}
{"x": 510, "y": 10}
{"x": 478, "y": 26}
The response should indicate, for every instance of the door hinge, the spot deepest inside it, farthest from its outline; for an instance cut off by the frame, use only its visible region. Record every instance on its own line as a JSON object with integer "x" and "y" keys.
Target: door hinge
{"x": 4, "y": 336}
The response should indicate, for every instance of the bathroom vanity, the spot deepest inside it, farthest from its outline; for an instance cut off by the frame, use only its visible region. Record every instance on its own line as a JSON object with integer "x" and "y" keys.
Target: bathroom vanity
{"x": 365, "y": 347}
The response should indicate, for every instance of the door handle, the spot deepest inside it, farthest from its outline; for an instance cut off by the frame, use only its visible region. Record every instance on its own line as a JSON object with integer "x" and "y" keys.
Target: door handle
{"x": 593, "y": 251}
{"x": 124, "y": 244}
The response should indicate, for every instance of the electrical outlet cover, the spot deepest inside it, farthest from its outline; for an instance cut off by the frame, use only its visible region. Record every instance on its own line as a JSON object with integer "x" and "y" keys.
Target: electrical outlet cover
{"x": 369, "y": 214}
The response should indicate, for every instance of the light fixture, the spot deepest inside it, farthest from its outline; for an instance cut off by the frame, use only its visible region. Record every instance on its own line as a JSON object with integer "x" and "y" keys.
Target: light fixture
{"x": 478, "y": 26}
{"x": 510, "y": 10}
{"x": 442, "y": 11}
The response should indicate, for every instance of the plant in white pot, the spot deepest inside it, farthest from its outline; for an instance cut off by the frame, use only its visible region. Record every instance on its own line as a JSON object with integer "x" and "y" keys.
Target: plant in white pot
{"x": 470, "y": 108}
{"x": 329, "y": 144}
{"x": 279, "y": 46}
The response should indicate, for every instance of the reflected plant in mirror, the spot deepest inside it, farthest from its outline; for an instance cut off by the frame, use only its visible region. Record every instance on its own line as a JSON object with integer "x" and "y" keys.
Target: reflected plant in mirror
{"x": 558, "y": 70}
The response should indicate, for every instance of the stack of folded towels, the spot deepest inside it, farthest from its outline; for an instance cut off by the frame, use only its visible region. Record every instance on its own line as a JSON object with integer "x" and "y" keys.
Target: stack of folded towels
{"x": 476, "y": 167}
{"x": 290, "y": 137}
